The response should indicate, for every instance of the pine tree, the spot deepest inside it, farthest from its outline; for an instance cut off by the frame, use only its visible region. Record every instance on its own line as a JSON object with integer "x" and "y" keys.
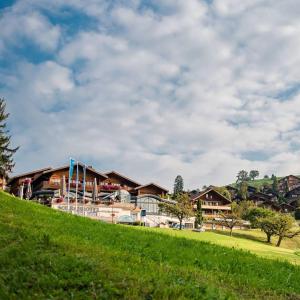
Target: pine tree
{"x": 198, "y": 215}
{"x": 275, "y": 188}
{"x": 178, "y": 185}
{"x": 6, "y": 152}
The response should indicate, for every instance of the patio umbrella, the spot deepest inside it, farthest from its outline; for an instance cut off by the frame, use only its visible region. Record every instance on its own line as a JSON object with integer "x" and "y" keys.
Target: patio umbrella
{"x": 95, "y": 191}
{"x": 63, "y": 186}
{"x": 28, "y": 191}
{"x": 21, "y": 191}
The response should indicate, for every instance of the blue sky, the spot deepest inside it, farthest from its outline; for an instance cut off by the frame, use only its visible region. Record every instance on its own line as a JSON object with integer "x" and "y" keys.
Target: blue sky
{"x": 154, "y": 88}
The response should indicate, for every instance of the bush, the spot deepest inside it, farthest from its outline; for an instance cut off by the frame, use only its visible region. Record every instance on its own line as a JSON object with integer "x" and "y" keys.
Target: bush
{"x": 297, "y": 214}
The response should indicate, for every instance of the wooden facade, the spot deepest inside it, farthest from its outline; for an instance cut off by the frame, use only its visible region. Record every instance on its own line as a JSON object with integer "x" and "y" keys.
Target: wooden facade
{"x": 117, "y": 181}
{"x": 48, "y": 183}
{"x": 288, "y": 183}
{"x": 15, "y": 182}
{"x": 151, "y": 189}
{"x": 213, "y": 203}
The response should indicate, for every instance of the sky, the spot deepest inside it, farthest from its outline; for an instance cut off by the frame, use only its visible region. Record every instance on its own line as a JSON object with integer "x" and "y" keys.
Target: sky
{"x": 154, "y": 88}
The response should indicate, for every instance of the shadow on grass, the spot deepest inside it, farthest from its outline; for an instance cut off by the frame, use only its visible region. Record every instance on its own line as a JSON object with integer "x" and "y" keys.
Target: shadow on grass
{"x": 242, "y": 236}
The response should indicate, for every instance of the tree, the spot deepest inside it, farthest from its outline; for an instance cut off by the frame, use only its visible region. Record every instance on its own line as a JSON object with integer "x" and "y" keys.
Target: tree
{"x": 268, "y": 226}
{"x": 243, "y": 190}
{"x": 253, "y": 214}
{"x": 253, "y": 174}
{"x": 178, "y": 185}
{"x": 198, "y": 215}
{"x": 275, "y": 188}
{"x": 6, "y": 152}
{"x": 284, "y": 224}
{"x": 232, "y": 219}
{"x": 278, "y": 224}
{"x": 223, "y": 191}
{"x": 297, "y": 213}
{"x": 181, "y": 209}
{"x": 266, "y": 176}
{"x": 242, "y": 176}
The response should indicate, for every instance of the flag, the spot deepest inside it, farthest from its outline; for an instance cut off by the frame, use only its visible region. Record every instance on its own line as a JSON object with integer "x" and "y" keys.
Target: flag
{"x": 71, "y": 168}
{"x": 84, "y": 177}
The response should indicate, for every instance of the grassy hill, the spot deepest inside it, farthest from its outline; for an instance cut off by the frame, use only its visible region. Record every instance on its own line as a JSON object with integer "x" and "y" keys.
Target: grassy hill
{"x": 46, "y": 254}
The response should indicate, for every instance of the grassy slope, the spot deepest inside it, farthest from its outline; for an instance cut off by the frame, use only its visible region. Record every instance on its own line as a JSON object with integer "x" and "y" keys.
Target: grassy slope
{"x": 49, "y": 254}
{"x": 252, "y": 240}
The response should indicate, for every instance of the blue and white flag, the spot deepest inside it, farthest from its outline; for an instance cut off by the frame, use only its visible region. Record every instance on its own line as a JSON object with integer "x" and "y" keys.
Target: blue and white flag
{"x": 71, "y": 168}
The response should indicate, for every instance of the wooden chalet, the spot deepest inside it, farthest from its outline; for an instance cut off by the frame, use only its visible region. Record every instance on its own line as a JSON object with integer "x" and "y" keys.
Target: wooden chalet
{"x": 51, "y": 180}
{"x": 293, "y": 197}
{"x": 288, "y": 183}
{"x": 17, "y": 181}
{"x": 151, "y": 189}
{"x": 116, "y": 181}
{"x": 213, "y": 203}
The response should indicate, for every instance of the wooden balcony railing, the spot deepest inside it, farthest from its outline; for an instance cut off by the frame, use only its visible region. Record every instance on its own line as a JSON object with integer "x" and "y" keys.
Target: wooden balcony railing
{"x": 88, "y": 187}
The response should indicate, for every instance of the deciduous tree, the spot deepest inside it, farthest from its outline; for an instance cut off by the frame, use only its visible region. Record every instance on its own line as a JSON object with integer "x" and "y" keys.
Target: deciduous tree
{"x": 181, "y": 209}
{"x": 253, "y": 174}
{"x": 231, "y": 219}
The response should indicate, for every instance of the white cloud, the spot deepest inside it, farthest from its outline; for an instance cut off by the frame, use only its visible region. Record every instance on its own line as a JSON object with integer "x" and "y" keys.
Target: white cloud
{"x": 185, "y": 88}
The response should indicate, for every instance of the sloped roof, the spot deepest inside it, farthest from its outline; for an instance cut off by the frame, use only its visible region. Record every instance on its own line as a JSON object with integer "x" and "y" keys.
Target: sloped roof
{"x": 122, "y": 176}
{"x": 207, "y": 191}
{"x": 80, "y": 164}
{"x": 153, "y": 184}
{"x": 31, "y": 173}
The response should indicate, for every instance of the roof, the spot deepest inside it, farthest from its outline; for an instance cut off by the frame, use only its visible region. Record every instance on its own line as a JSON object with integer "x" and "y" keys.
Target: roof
{"x": 151, "y": 183}
{"x": 282, "y": 178}
{"x": 80, "y": 164}
{"x": 122, "y": 176}
{"x": 207, "y": 191}
{"x": 32, "y": 173}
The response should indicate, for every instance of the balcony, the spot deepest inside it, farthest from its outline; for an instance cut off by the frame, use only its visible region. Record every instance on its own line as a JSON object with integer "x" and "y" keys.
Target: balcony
{"x": 55, "y": 185}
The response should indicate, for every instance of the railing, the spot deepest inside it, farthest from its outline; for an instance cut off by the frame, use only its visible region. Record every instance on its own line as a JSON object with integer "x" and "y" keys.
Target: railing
{"x": 88, "y": 187}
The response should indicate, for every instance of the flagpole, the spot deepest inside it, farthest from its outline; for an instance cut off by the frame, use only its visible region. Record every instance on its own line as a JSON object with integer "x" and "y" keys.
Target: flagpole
{"x": 84, "y": 175}
{"x": 68, "y": 195}
{"x": 71, "y": 167}
{"x": 76, "y": 190}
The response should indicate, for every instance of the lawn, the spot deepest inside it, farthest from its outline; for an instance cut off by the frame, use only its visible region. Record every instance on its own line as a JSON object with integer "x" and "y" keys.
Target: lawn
{"x": 252, "y": 240}
{"x": 47, "y": 254}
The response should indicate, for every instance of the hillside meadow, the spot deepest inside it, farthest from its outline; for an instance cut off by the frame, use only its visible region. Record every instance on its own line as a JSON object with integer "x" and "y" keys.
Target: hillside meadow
{"x": 46, "y": 254}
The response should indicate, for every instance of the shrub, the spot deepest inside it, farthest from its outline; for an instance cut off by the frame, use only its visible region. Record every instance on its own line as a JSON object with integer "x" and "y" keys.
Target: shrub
{"x": 297, "y": 214}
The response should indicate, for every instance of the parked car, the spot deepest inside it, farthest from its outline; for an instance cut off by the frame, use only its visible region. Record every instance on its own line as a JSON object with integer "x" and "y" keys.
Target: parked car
{"x": 177, "y": 226}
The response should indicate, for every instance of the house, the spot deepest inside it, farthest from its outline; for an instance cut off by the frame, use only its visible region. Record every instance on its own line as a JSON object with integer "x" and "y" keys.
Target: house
{"x": 293, "y": 197}
{"x": 49, "y": 183}
{"x": 17, "y": 182}
{"x": 117, "y": 181}
{"x": 151, "y": 189}
{"x": 212, "y": 203}
{"x": 116, "y": 195}
{"x": 288, "y": 183}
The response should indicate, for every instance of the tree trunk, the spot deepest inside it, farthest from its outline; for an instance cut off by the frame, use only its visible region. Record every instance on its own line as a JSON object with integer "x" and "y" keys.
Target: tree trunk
{"x": 180, "y": 224}
{"x": 231, "y": 231}
{"x": 269, "y": 238}
{"x": 279, "y": 241}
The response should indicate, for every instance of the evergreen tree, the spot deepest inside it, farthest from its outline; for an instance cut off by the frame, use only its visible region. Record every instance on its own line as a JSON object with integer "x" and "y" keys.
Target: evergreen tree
{"x": 178, "y": 185}
{"x": 243, "y": 190}
{"x": 198, "y": 215}
{"x": 6, "y": 152}
{"x": 275, "y": 188}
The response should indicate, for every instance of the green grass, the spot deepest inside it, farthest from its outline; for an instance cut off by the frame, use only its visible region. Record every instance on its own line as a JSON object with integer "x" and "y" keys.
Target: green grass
{"x": 46, "y": 254}
{"x": 250, "y": 240}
